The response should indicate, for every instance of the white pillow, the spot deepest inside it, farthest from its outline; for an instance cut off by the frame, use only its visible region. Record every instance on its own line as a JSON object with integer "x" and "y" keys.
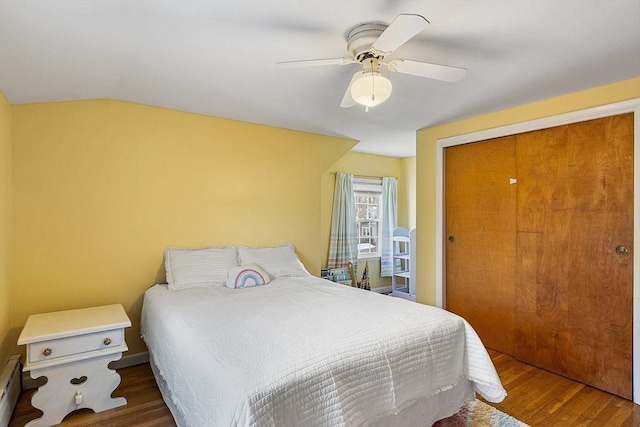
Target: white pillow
{"x": 247, "y": 275}
{"x": 280, "y": 261}
{"x": 196, "y": 268}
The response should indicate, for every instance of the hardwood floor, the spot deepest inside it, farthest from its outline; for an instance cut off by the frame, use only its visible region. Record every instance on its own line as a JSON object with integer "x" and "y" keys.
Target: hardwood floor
{"x": 540, "y": 398}
{"x": 536, "y": 397}
{"x": 145, "y": 407}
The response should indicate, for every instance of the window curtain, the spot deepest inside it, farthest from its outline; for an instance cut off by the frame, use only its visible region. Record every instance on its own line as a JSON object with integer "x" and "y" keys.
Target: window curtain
{"x": 389, "y": 223}
{"x": 343, "y": 245}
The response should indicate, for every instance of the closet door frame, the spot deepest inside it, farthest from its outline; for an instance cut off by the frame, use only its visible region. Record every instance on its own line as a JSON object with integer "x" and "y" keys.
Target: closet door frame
{"x": 630, "y": 106}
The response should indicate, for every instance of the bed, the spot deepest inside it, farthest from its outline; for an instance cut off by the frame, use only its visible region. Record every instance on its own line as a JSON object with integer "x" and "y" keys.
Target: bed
{"x": 303, "y": 351}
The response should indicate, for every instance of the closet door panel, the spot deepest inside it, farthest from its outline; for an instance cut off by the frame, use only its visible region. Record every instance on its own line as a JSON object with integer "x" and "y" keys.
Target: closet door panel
{"x": 575, "y": 207}
{"x": 480, "y": 233}
{"x": 601, "y": 310}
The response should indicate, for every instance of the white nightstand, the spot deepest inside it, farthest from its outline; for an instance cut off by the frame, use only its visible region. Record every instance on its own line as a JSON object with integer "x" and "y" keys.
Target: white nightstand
{"x": 72, "y": 349}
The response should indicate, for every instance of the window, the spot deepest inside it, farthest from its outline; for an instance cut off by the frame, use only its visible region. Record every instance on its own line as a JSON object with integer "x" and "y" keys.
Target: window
{"x": 367, "y": 194}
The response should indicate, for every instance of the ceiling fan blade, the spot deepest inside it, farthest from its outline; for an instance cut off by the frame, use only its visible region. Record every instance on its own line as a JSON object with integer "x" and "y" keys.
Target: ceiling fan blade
{"x": 430, "y": 71}
{"x": 403, "y": 28}
{"x": 347, "y": 99}
{"x": 315, "y": 62}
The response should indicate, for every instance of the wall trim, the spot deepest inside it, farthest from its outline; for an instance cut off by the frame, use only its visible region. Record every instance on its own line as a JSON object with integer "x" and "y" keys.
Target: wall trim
{"x": 9, "y": 388}
{"x": 630, "y": 106}
{"x": 130, "y": 360}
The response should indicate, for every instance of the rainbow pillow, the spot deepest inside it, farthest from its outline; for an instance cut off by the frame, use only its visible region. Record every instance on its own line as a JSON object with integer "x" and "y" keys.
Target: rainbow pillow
{"x": 246, "y": 276}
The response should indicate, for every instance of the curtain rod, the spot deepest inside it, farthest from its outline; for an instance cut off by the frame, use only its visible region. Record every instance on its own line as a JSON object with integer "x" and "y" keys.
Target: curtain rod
{"x": 365, "y": 176}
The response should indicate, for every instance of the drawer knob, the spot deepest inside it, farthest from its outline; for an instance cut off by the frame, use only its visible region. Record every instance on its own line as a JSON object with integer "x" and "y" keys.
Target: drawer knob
{"x": 47, "y": 352}
{"x": 107, "y": 341}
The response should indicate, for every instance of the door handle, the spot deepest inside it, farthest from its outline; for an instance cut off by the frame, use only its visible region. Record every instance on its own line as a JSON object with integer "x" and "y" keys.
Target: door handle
{"x": 622, "y": 250}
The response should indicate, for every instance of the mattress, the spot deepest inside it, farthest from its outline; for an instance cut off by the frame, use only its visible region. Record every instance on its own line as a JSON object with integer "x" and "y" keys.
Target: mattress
{"x": 308, "y": 352}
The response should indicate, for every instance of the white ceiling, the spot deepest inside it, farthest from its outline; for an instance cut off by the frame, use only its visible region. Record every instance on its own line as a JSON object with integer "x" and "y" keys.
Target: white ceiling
{"x": 217, "y": 58}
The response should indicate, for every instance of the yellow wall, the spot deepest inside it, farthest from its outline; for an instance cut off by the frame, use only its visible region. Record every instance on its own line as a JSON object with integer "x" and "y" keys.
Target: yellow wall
{"x": 5, "y": 229}
{"x": 408, "y": 199}
{"x": 366, "y": 165}
{"x": 426, "y": 161}
{"x": 102, "y": 187}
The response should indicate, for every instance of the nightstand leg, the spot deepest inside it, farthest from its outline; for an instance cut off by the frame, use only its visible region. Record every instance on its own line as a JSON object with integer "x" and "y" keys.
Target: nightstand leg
{"x": 76, "y": 385}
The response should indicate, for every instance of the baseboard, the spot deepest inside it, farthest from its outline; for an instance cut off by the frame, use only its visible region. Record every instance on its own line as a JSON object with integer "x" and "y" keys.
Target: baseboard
{"x": 382, "y": 290}
{"x": 29, "y": 383}
{"x": 130, "y": 360}
{"x": 9, "y": 389}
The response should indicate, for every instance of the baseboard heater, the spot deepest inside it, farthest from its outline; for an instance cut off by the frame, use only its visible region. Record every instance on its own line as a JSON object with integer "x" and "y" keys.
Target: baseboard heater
{"x": 9, "y": 389}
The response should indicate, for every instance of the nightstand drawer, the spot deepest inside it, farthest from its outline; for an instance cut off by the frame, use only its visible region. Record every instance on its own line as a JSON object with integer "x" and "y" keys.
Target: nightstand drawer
{"x": 61, "y": 347}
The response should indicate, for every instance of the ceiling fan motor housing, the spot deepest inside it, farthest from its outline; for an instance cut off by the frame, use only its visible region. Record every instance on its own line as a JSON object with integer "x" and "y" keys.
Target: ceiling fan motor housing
{"x": 361, "y": 37}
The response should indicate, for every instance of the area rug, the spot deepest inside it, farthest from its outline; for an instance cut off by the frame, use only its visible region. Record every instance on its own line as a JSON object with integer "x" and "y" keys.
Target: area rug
{"x": 479, "y": 414}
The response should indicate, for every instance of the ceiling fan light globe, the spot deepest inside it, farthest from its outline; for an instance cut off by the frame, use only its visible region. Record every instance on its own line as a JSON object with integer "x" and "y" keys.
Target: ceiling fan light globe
{"x": 371, "y": 89}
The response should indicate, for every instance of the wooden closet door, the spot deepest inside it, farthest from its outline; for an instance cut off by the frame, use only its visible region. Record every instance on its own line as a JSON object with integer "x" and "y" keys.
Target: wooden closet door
{"x": 480, "y": 203}
{"x": 532, "y": 265}
{"x": 574, "y": 291}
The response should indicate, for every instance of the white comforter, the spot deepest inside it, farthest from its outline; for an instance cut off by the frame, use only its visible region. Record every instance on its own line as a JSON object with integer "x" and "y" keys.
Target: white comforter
{"x": 306, "y": 352}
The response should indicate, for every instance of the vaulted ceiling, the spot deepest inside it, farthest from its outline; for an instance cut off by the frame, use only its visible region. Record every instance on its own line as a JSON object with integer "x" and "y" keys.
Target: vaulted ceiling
{"x": 218, "y": 58}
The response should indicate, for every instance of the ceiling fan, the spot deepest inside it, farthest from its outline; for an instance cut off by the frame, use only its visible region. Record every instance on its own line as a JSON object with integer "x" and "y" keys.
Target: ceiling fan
{"x": 369, "y": 44}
